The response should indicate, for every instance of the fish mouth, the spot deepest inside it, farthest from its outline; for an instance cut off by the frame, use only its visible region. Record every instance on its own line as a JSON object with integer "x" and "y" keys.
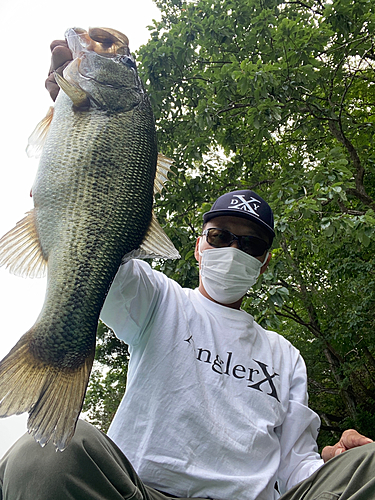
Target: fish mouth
{"x": 106, "y": 42}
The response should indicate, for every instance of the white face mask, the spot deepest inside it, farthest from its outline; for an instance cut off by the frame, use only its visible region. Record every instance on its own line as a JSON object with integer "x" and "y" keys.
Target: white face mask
{"x": 228, "y": 273}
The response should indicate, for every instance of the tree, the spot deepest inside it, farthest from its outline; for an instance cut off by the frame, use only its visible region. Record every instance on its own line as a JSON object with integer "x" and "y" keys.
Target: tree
{"x": 279, "y": 97}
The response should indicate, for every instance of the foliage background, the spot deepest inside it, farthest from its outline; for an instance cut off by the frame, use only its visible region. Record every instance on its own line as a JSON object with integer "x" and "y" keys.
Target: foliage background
{"x": 278, "y": 97}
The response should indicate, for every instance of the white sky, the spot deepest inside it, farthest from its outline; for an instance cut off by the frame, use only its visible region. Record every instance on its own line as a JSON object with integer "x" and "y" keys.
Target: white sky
{"x": 28, "y": 28}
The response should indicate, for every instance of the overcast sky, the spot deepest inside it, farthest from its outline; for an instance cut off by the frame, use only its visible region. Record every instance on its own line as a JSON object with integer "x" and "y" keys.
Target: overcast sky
{"x": 28, "y": 28}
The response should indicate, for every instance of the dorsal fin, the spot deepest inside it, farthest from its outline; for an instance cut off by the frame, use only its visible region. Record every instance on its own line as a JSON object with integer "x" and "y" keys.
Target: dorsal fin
{"x": 38, "y": 137}
{"x": 20, "y": 249}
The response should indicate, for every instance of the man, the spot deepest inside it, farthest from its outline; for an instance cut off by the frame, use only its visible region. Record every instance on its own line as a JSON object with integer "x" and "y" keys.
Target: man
{"x": 215, "y": 406}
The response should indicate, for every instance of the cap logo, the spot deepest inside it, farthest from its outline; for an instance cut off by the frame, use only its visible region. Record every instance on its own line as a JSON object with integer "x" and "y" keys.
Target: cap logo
{"x": 239, "y": 202}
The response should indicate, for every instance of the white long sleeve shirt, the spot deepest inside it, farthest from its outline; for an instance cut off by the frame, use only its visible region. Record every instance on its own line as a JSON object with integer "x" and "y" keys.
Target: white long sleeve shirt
{"x": 215, "y": 406}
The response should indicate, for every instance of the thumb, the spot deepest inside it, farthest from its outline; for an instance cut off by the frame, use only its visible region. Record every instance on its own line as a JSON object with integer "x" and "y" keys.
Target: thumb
{"x": 329, "y": 452}
{"x": 339, "y": 450}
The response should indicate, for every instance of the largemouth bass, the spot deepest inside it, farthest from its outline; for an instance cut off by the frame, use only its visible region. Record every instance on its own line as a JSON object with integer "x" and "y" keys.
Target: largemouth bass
{"x": 93, "y": 197}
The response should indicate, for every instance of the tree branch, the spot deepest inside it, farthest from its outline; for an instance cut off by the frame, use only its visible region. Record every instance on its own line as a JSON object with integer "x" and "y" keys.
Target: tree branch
{"x": 298, "y": 2}
{"x": 359, "y": 191}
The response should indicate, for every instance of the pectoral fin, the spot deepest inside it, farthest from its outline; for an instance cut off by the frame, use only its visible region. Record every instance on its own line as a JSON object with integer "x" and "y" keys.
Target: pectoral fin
{"x": 76, "y": 94}
{"x": 20, "y": 249}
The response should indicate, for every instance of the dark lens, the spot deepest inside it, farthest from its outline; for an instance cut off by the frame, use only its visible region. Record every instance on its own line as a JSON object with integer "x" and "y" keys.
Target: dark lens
{"x": 253, "y": 246}
{"x": 219, "y": 237}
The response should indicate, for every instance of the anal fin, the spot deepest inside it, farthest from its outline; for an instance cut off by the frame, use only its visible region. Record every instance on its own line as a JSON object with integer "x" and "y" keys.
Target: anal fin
{"x": 156, "y": 244}
{"x": 163, "y": 168}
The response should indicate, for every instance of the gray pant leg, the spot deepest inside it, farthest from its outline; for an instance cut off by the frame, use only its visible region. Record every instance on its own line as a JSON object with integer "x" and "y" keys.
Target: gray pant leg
{"x": 92, "y": 467}
{"x": 349, "y": 476}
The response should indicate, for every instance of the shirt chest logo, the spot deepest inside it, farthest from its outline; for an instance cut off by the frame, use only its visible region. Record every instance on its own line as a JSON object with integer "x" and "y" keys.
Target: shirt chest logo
{"x": 258, "y": 376}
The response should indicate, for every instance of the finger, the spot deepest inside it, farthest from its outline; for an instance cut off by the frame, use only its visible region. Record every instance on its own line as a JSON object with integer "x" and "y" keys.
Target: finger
{"x": 55, "y": 43}
{"x": 338, "y": 451}
{"x": 50, "y": 83}
{"x": 328, "y": 452}
{"x": 332, "y": 451}
{"x": 352, "y": 438}
{"x": 61, "y": 56}
{"x": 52, "y": 87}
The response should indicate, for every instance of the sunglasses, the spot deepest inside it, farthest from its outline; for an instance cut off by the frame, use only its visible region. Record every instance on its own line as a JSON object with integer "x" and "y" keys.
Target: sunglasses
{"x": 219, "y": 238}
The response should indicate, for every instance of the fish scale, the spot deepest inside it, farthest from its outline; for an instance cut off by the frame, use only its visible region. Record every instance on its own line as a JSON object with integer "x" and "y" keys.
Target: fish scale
{"x": 93, "y": 197}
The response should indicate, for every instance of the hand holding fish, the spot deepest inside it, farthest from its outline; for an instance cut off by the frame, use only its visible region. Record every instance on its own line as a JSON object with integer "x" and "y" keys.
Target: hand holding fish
{"x": 61, "y": 57}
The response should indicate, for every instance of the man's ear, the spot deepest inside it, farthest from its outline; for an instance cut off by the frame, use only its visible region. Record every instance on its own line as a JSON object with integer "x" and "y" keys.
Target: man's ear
{"x": 196, "y": 251}
{"x": 265, "y": 265}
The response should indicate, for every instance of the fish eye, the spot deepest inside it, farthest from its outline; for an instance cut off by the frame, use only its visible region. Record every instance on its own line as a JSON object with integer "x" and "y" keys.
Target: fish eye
{"x": 128, "y": 60}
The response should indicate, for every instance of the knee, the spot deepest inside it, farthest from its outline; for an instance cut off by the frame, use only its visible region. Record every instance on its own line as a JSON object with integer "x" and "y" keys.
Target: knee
{"x": 361, "y": 458}
{"x": 26, "y": 454}
{"x": 27, "y": 467}
{"x": 364, "y": 452}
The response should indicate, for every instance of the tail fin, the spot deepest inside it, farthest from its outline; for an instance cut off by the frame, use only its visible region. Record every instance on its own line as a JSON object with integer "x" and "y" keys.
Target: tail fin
{"x": 53, "y": 397}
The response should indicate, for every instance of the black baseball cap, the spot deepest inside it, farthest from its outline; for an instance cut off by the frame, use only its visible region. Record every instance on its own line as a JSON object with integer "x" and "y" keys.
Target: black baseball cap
{"x": 246, "y": 204}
